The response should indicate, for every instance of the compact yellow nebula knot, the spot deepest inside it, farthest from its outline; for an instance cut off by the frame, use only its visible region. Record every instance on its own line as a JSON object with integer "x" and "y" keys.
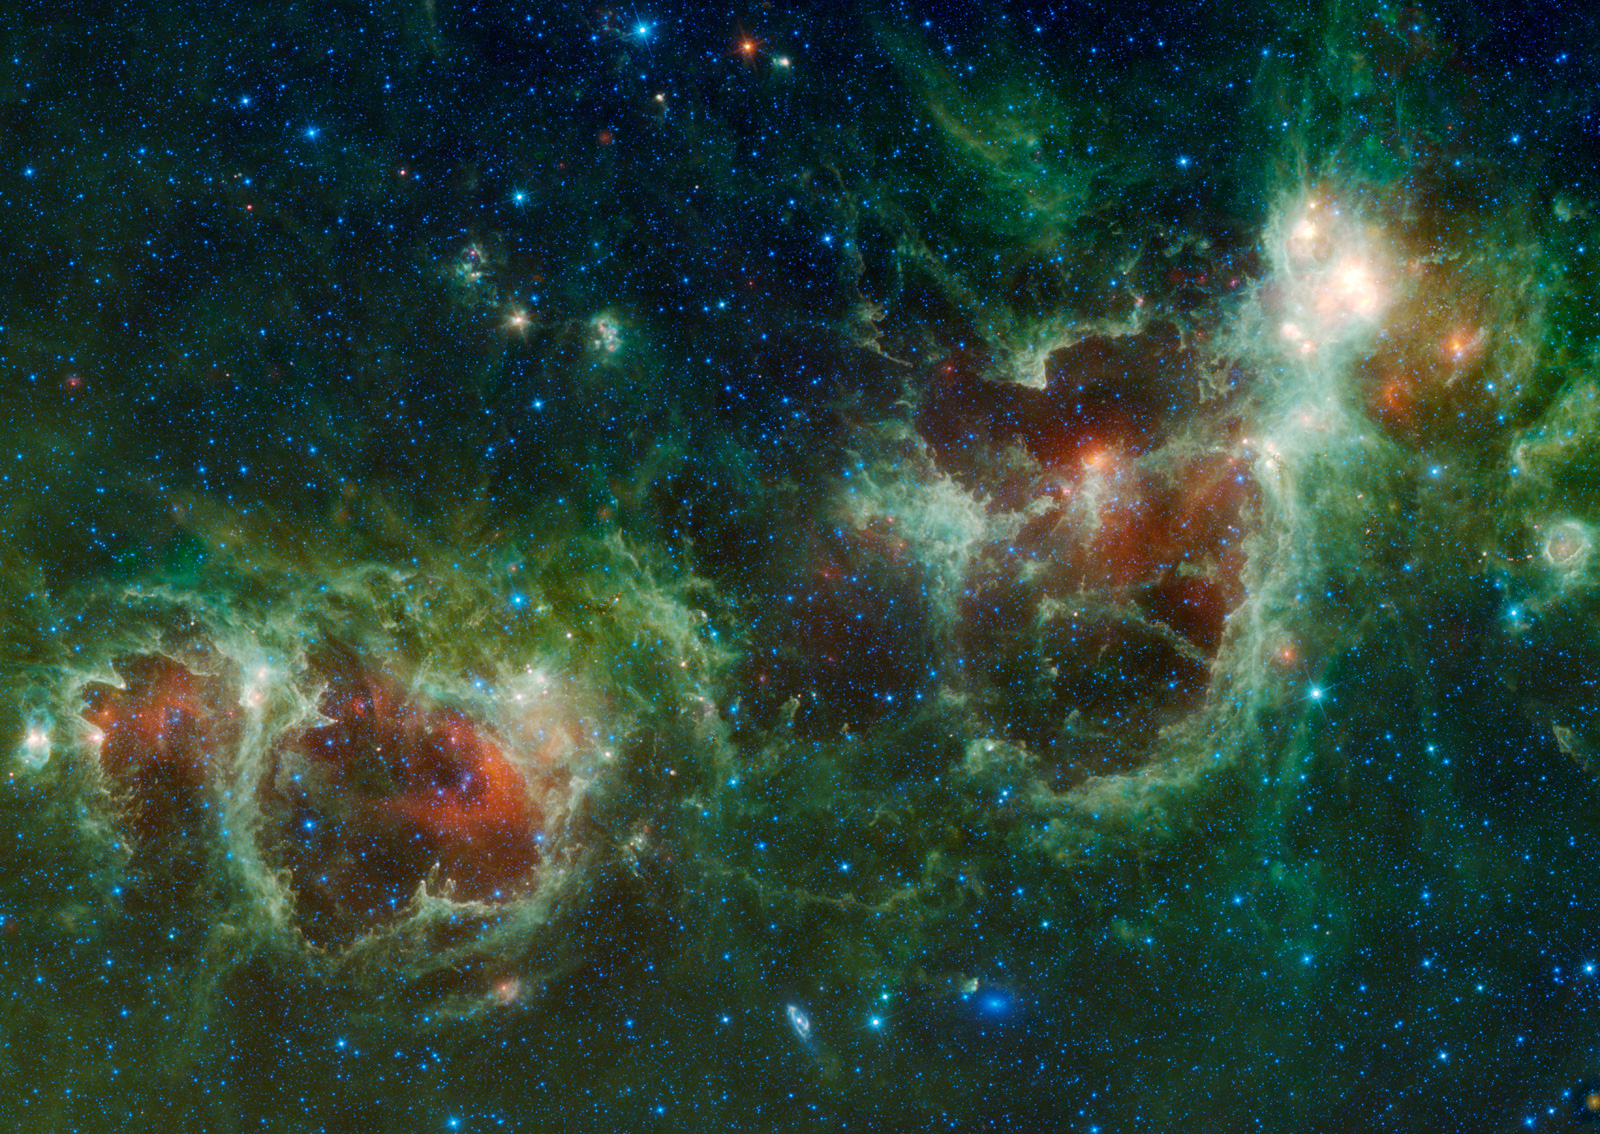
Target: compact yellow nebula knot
{"x": 507, "y": 990}
{"x": 1464, "y": 345}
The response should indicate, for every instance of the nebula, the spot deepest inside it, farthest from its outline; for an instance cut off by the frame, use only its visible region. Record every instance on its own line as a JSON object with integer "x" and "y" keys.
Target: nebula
{"x": 813, "y": 568}
{"x": 391, "y": 793}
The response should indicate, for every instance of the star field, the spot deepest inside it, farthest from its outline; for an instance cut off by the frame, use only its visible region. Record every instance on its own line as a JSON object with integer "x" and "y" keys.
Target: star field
{"x": 887, "y": 566}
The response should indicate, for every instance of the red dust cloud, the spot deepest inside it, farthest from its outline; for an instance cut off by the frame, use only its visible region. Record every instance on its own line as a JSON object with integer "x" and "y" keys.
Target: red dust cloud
{"x": 394, "y": 792}
{"x": 391, "y": 793}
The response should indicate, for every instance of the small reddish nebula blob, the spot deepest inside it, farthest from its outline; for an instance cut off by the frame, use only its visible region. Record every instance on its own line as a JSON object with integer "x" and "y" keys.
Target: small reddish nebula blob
{"x": 158, "y": 737}
{"x": 393, "y": 792}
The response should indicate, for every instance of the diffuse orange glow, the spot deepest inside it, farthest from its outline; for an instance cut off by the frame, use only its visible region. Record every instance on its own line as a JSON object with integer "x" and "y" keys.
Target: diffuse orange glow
{"x": 1463, "y": 345}
{"x": 430, "y": 787}
{"x": 1099, "y": 459}
{"x": 162, "y": 719}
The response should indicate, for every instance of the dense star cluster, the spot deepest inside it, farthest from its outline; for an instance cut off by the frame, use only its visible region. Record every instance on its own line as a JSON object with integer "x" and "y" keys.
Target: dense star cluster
{"x": 799, "y": 567}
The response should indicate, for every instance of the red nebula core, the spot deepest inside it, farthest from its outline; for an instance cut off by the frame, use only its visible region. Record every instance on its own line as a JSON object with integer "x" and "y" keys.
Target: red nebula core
{"x": 158, "y": 737}
{"x": 389, "y": 793}
{"x": 395, "y": 792}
